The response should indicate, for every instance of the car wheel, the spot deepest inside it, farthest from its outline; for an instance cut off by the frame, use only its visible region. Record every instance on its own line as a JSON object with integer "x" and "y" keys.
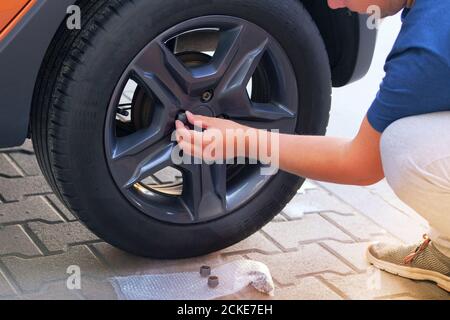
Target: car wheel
{"x": 109, "y": 94}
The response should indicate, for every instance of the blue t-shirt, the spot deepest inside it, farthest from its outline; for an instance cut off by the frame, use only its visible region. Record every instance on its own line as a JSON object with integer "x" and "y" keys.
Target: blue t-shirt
{"x": 417, "y": 77}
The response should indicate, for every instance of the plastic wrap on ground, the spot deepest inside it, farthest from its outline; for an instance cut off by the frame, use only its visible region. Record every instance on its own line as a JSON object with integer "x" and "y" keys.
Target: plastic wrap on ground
{"x": 233, "y": 277}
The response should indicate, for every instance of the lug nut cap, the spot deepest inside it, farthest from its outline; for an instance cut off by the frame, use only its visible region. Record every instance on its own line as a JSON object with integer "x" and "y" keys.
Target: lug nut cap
{"x": 182, "y": 117}
{"x": 205, "y": 271}
{"x": 213, "y": 282}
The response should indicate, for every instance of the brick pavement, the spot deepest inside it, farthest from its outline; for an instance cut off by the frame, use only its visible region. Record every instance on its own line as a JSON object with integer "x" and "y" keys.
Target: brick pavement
{"x": 314, "y": 248}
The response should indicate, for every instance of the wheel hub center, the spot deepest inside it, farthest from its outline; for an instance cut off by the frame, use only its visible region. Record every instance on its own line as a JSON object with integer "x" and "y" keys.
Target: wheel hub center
{"x": 203, "y": 110}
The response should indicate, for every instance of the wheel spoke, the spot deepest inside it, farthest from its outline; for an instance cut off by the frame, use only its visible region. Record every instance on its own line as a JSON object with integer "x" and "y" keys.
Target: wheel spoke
{"x": 160, "y": 72}
{"x": 280, "y": 113}
{"x": 138, "y": 141}
{"x": 204, "y": 190}
{"x": 238, "y": 54}
{"x": 259, "y": 115}
{"x": 242, "y": 49}
{"x": 140, "y": 162}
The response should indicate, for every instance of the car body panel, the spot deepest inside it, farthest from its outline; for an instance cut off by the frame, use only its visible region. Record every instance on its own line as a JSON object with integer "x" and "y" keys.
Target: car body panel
{"x": 367, "y": 39}
{"x": 23, "y": 48}
{"x": 11, "y": 12}
{"x": 21, "y": 54}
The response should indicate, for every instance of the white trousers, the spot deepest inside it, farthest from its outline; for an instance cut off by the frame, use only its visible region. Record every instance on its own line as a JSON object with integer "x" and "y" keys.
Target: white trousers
{"x": 416, "y": 160}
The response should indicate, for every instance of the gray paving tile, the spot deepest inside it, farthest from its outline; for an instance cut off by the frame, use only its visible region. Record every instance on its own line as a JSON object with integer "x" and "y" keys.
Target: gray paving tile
{"x": 16, "y": 189}
{"x": 32, "y": 274}
{"x": 311, "y": 228}
{"x": 57, "y": 237}
{"x": 14, "y": 241}
{"x": 32, "y": 208}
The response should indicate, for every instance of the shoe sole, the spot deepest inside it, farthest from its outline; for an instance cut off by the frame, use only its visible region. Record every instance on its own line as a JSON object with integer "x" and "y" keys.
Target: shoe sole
{"x": 411, "y": 273}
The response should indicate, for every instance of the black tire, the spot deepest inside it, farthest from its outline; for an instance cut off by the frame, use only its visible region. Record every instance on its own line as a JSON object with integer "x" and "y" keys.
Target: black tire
{"x": 78, "y": 78}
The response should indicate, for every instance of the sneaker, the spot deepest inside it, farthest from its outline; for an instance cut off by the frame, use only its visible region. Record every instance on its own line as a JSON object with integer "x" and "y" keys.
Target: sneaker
{"x": 422, "y": 262}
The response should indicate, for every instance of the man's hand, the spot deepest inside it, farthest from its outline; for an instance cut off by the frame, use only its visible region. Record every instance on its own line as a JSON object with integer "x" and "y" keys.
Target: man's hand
{"x": 216, "y": 136}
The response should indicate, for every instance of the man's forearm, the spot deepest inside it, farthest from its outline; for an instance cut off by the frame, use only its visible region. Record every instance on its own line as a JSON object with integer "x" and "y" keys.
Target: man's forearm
{"x": 346, "y": 161}
{"x": 315, "y": 157}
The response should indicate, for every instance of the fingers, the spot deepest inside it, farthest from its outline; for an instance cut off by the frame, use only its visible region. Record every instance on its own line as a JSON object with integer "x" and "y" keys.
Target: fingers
{"x": 182, "y": 133}
{"x": 192, "y": 136}
{"x": 209, "y": 144}
{"x": 191, "y": 141}
{"x": 200, "y": 121}
{"x": 191, "y": 149}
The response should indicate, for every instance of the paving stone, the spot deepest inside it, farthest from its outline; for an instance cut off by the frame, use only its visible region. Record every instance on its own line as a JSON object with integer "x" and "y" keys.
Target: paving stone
{"x": 54, "y": 291}
{"x": 5, "y": 288}
{"x": 27, "y": 162}
{"x": 57, "y": 237}
{"x": 308, "y": 288}
{"x": 255, "y": 243}
{"x": 31, "y": 208}
{"x": 309, "y": 259}
{"x": 356, "y": 224}
{"x": 32, "y": 274}
{"x": 372, "y": 206}
{"x": 90, "y": 290}
{"x": 61, "y": 208}
{"x": 307, "y": 185}
{"x": 379, "y": 284}
{"x": 310, "y": 228}
{"x": 97, "y": 290}
{"x": 354, "y": 253}
{"x": 279, "y": 218}
{"x": 7, "y": 168}
{"x": 15, "y": 241}
{"x": 126, "y": 264}
{"x": 292, "y": 210}
{"x": 26, "y": 146}
{"x": 16, "y": 189}
{"x": 316, "y": 200}
{"x": 128, "y": 93}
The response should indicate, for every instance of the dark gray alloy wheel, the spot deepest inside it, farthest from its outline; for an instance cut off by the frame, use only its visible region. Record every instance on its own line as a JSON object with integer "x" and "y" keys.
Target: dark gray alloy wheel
{"x": 108, "y": 95}
{"x": 245, "y": 56}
